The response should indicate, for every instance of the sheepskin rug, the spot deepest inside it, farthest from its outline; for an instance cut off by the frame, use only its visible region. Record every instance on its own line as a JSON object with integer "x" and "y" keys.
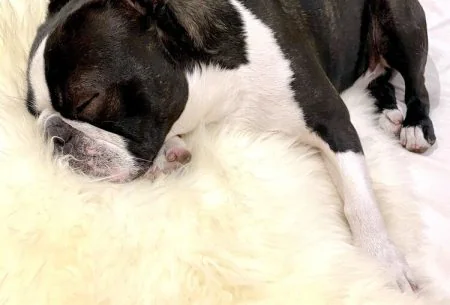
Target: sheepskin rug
{"x": 253, "y": 219}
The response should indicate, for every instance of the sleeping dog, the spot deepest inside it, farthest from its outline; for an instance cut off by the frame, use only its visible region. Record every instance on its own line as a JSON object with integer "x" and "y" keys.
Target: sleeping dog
{"x": 112, "y": 81}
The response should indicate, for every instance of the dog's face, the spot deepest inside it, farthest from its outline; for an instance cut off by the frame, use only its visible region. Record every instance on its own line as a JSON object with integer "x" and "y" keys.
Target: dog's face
{"x": 107, "y": 78}
{"x": 113, "y": 90}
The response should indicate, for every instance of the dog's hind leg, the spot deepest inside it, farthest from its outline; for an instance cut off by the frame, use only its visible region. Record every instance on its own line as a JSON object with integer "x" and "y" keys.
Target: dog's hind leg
{"x": 391, "y": 118}
{"x": 331, "y": 130}
{"x": 404, "y": 47}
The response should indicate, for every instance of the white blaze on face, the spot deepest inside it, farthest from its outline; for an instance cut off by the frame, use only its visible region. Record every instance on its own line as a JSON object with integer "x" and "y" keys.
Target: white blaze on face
{"x": 37, "y": 79}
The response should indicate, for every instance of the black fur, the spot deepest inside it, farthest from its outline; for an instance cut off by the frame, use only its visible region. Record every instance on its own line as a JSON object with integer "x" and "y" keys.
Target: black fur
{"x": 383, "y": 91}
{"x": 403, "y": 42}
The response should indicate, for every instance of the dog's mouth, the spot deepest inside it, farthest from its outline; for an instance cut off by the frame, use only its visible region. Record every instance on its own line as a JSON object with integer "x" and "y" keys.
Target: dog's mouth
{"x": 91, "y": 151}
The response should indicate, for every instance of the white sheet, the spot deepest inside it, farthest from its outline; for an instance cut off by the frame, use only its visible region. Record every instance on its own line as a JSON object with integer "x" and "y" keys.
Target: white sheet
{"x": 438, "y": 83}
{"x": 431, "y": 172}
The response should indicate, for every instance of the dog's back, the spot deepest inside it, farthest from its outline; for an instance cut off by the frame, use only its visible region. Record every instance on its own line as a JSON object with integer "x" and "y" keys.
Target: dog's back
{"x": 338, "y": 32}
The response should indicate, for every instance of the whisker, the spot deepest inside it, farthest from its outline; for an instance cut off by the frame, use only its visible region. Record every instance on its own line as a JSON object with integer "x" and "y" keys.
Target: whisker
{"x": 69, "y": 157}
{"x": 106, "y": 178}
{"x": 102, "y": 179}
{"x": 141, "y": 159}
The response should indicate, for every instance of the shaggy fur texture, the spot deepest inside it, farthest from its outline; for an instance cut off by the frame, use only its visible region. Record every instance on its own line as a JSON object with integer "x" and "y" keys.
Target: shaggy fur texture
{"x": 253, "y": 219}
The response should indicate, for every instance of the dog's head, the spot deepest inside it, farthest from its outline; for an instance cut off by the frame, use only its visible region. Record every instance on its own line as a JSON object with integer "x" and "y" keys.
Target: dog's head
{"x": 108, "y": 77}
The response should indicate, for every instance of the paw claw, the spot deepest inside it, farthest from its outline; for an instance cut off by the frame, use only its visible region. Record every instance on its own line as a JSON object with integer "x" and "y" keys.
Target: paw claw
{"x": 405, "y": 283}
{"x": 171, "y": 157}
{"x": 185, "y": 158}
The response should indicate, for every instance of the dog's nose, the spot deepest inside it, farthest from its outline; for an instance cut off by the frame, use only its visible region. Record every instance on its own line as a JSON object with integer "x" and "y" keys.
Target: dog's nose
{"x": 59, "y": 132}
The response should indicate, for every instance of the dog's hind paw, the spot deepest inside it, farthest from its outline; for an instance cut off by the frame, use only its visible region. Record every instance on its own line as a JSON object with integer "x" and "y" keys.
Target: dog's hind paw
{"x": 391, "y": 121}
{"x": 393, "y": 261}
{"x": 418, "y": 138}
{"x": 399, "y": 268}
{"x": 417, "y": 134}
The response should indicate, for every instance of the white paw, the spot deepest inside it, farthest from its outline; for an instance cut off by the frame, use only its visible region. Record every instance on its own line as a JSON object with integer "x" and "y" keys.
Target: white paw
{"x": 172, "y": 156}
{"x": 162, "y": 166}
{"x": 391, "y": 121}
{"x": 412, "y": 139}
{"x": 393, "y": 261}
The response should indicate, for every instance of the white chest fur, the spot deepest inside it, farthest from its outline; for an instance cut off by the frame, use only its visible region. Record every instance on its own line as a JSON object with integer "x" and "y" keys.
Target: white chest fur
{"x": 257, "y": 94}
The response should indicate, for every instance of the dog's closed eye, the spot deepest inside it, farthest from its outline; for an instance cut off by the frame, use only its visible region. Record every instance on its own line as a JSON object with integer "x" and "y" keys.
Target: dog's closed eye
{"x": 94, "y": 104}
{"x": 81, "y": 107}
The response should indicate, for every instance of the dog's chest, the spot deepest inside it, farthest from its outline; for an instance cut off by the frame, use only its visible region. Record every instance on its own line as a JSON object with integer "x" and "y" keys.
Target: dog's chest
{"x": 258, "y": 94}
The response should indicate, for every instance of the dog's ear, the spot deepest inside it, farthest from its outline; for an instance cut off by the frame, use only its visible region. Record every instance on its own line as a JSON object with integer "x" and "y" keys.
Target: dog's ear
{"x": 141, "y": 7}
{"x": 189, "y": 27}
{"x": 176, "y": 17}
{"x": 55, "y": 6}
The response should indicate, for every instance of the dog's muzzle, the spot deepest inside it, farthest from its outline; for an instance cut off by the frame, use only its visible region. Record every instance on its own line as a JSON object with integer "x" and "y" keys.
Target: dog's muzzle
{"x": 90, "y": 150}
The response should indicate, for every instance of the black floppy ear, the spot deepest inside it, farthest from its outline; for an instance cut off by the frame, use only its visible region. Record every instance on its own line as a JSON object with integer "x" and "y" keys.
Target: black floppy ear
{"x": 192, "y": 30}
{"x": 55, "y": 6}
{"x": 177, "y": 27}
{"x": 143, "y": 7}
{"x": 148, "y": 10}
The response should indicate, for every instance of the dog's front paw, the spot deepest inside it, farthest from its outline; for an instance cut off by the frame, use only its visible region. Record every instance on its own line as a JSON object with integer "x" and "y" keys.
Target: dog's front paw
{"x": 394, "y": 262}
{"x": 172, "y": 156}
{"x": 417, "y": 136}
{"x": 391, "y": 121}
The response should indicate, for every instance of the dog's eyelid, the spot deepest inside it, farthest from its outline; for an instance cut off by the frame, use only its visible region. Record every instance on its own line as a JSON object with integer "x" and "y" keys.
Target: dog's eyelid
{"x": 86, "y": 103}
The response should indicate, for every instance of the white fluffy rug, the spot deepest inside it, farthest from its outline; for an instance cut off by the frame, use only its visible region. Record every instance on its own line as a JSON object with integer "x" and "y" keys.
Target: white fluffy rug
{"x": 252, "y": 220}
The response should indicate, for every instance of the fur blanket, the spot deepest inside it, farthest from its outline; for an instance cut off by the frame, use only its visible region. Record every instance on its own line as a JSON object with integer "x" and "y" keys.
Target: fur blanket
{"x": 254, "y": 219}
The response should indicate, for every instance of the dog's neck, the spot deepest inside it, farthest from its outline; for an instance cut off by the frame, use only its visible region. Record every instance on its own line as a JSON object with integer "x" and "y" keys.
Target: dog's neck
{"x": 219, "y": 95}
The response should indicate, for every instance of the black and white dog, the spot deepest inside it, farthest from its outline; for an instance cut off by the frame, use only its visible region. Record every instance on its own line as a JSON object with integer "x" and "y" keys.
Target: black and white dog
{"x": 114, "y": 80}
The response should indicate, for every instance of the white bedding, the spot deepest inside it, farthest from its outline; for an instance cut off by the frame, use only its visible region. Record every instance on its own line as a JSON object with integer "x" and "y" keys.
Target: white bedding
{"x": 431, "y": 172}
{"x": 437, "y": 161}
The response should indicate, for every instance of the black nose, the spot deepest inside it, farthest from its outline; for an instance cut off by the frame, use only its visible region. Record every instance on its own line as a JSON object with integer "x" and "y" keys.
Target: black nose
{"x": 59, "y": 132}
